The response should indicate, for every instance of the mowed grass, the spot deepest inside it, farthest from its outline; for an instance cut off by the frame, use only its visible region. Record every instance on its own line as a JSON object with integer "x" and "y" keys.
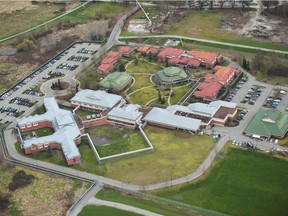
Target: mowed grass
{"x": 178, "y": 93}
{"x": 140, "y": 82}
{"x": 144, "y": 96}
{"x": 176, "y": 154}
{"x": 205, "y": 24}
{"x": 147, "y": 204}
{"x": 91, "y": 210}
{"x": 21, "y": 20}
{"x": 39, "y": 132}
{"x": 143, "y": 67}
{"x": 241, "y": 183}
{"x": 123, "y": 140}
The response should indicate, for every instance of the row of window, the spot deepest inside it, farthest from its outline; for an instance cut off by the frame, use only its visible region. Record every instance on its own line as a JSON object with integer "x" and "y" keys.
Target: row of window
{"x": 29, "y": 125}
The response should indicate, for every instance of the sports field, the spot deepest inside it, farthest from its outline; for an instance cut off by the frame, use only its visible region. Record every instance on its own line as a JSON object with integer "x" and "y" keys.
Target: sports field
{"x": 241, "y": 183}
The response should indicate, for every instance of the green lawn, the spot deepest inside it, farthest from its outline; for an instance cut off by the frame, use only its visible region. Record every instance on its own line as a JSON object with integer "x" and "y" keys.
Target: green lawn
{"x": 140, "y": 82}
{"x": 91, "y": 210}
{"x": 143, "y": 67}
{"x": 149, "y": 205}
{"x": 144, "y": 96}
{"x": 123, "y": 140}
{"x": 39, "y": 132}
{"x": 179, "y": 92}
{"x": 176, "y": 154}
{"x": 241, "y": 183}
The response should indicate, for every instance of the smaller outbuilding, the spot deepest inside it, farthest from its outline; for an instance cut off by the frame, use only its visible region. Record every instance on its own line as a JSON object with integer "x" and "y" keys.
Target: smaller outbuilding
{"x": 117, "y": 81}
{"x": 172, "y": 76}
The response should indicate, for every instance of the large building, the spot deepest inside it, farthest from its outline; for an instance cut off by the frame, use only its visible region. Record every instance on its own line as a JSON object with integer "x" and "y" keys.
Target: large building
{"x": 212, "y": 83}
{"x": 125, "y": 50}
{"x": 216, "y": 112}
{"x": 116, "y": 81}
{"x": 163, "y": 118}
{"x": 66, "y": 132}
{"x": 185, "y": 62}
{"x": 170, "y": 52}
{"x": 128, "y": 116}
{"x": 96, "y": 100}
{"x": 208, "y": 59}
{"x": 268, "y": 123}
{"x": 107, "y": 64}
{"x": 171, "y": 76}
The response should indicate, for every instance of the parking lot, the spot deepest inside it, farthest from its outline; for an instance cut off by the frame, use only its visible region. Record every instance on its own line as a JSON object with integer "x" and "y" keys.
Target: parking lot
{"x": 278, "y": 99}
{"x": 24, "y": 89}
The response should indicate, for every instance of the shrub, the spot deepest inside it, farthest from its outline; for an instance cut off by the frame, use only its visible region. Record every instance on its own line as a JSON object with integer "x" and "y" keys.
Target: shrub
{"x": 4, "y": 203}
{"x": 26, "y": 45}
{"x": 20, "y": 180}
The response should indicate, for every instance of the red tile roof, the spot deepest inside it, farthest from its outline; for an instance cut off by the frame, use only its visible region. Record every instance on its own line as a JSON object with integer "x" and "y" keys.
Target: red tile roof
{"x": 125, "y": 50}
{"x": 170, "y": 51}
{"x": 185, "y": 61}
{"x": 208, "y": 90}
{"x": 108, "y": 60}
{"x": 143, "y": 48}
{"x": 153, "y": 50}
{"x": 113, "y": 54}
{"x": 223, "y": 74}
{"x": 104, "y": 68}
{"x": 207, "y": 56}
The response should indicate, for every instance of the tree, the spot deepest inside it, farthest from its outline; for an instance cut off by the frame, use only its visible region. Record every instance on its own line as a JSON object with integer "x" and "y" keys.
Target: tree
{"x": 49, "y": 151}
{"x": 136, "y": 61}
{"x": 163, "y": 100}
{"x": 244, "y": 63}
{"x": 59, "y": 84}
{"x": 159, "y": 96}
{"x": 166, "y": 62}
{"x": 25, "y": 45}
{"x": 269, "y": 3}
{"x": 122, "y": 67}
{"x": 248, "y": 65}
{"x": 150, "y": 56}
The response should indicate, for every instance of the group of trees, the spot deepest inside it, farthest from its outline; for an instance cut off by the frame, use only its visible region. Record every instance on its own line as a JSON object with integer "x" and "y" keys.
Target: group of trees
{"x": 57, "y": 85}
{"x": 160, "y": 98}
{"x": 246, "y": 64}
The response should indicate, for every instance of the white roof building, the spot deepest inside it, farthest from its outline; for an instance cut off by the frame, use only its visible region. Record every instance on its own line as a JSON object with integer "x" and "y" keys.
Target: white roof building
{"x": 97, "y": 99}
{"x": 65, "y": 127}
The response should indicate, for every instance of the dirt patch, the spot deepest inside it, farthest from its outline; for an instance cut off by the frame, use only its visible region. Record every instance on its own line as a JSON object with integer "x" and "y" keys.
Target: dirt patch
{"x": 102, "y": 139}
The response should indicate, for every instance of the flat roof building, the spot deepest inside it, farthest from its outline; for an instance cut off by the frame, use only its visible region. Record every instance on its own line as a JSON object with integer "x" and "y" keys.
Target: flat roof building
{"x": 96, "y": 100}
{"x": 116, "y": 81}
{"x": 66, "y": 132}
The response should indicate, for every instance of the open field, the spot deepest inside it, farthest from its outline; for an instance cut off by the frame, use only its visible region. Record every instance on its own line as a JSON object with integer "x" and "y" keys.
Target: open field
{"x": 147, "y": 204}
{"x": 11, "y": 72}
{"x": 58, "y": 193}
{"x": 176, "y": 154}
{"x": 140, "y": 82}
{"x": 27, "y": 17}
{"x": 90, "y": 210}
{"x": 144, "y": 96}
{"x": 253, "y": 183}
{"x": 206, "y": 26}
{"x": 143, "y": 67}
{"x": 178, "y": 93}
{"x": 109, "y": 140}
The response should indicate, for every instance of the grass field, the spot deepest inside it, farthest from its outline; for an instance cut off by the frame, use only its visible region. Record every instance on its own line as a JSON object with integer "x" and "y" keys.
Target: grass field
{"x": 122, "y": 140}
{"x": 149, "y": 205}
{"x": 253, "y": 183}
{"x": 179, "y": 92}
{"x": 91, "y": 210}
{"x": 143, "y": 67}
{"x": 176, "y": 154}
{"x": 56, "y": 192}
{"x": 206, "y": 26}
{"x": 21, "y": 20}
{"x": 144, "y": 96}
{"x": 140, "y": 82}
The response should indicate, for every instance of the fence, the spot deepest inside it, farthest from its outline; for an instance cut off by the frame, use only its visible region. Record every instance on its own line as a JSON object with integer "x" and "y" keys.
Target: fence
{"x": 121, "y": 155}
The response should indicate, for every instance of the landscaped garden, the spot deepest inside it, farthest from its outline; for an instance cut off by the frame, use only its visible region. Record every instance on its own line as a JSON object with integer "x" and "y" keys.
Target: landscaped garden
{"x": 242, "y": 182}
{"x": 38, "y": 132}
{"x": 110, "y": 140}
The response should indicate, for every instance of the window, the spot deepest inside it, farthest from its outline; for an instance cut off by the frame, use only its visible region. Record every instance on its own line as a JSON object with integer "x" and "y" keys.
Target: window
{"x": 29, "y": 125}
{"x": 23, "y": 126}
{"x": 35, "y": 124}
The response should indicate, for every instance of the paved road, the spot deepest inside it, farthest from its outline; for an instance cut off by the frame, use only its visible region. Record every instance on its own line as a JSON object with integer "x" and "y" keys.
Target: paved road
{"x": 83, "y": 200}
{"x": 95, "y": 201}
{"x": 206, "y": 41}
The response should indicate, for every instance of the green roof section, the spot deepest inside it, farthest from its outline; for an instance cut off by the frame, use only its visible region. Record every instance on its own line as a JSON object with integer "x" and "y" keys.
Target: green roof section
{"x": 171, "y": 74}
{"x": 116, "y": 80}
{"x": 268, "y": 122}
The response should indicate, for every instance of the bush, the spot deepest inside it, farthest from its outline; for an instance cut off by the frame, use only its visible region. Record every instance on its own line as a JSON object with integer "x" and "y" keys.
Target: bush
{"x": 26, "y": 45}
{"x": 4, "y": 203}
{"x": 277, "y": 70}
{"x": 20, "y": 180}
